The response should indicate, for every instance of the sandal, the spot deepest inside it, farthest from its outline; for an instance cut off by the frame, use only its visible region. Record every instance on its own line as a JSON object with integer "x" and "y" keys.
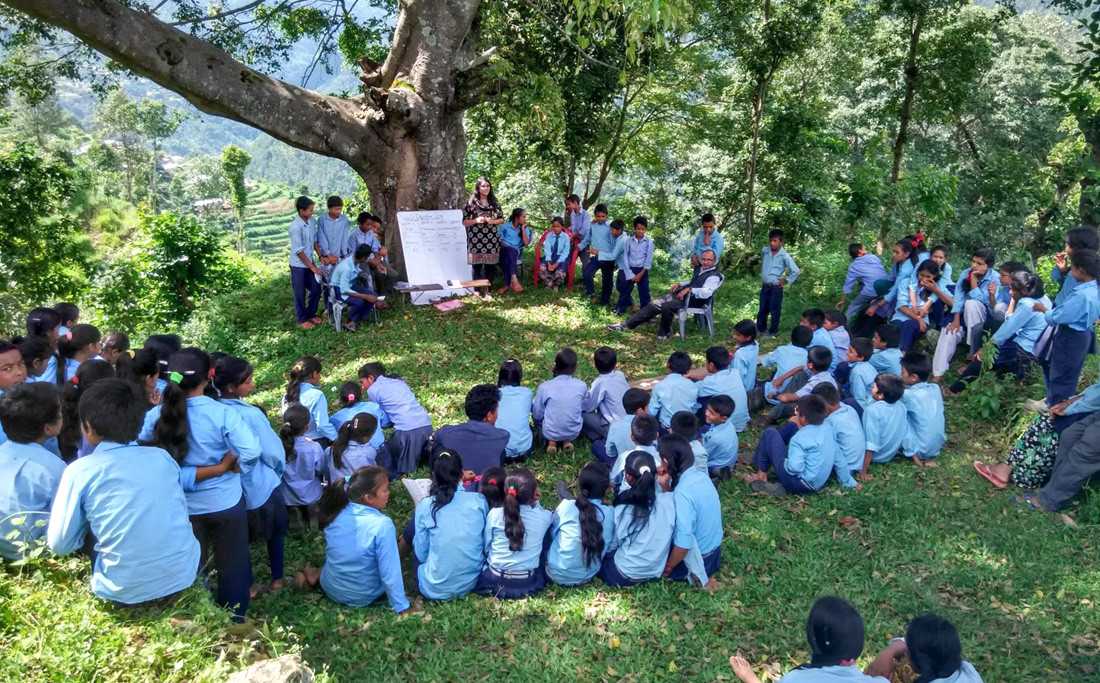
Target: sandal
{"x": 1027, "y": 500}
{"x": 986, "y": 473}
{"x": 568, "y": 448}
{"x": 307, "y": 325}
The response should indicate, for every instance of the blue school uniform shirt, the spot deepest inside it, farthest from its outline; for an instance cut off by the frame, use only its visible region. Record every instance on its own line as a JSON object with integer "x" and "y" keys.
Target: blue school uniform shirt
{"x": 617, "y": 254}
{"x": 639, "y": 254}
{"x": 511, "y": 236}
{"x": 885, "y": 426}
{"x": 866, "y": 270}
{"x": 903, "y": 272}
{"x": 811, "y": 454}
{"x": 1068, "y": 284}
{"x": 671, "y": 395}
{"x": 558, "y": 406}
{"x": 361, "y": 559}
{"x": 3, "y": 436}
{"x": 831, "y": 674}
{"x": 783, "y": 359}
{"x": 71, "y": 366}
{"x": 698, "y": 512}
{"x": 600, "y": 239}
{"x": 556, "y": 248}
{"x": 1089, "y": 402}
{"x": 344, "y": 414}
{"x": 344, "y": 274}
{"x": 717, "y": 245}
{"x": 29, "y": 475}
{"x": 302, "y": 475}
{"x": 450, "y": 544}
{"x": 861, "y": 379}
{"x": 499, "y": 556}
{"x": 618, "y": 441}
{"x": 1024, "y": 326}
{"x": 213, "y": 429}
{"x": 303, "y": 234}
{"x": 129, "y": 499}
{"x": 806, "y": 389}
{"x": 1079, "y": 310}
{"x": 966, "y": 674}
{"x": 745, "y": 360}
{"x": 927, "y": 430}
{"x": 332, "y": 235}
{"x": 979, "y": 293}
{"x": 355, "y": 456}
{"x": 266, "y": 475}
{"x": 887, "y": 360}
{"x": 726, "y": 382}
{"x": 642, "y": 553}
{"x": 701, "y": 457}
{"x": 721, "y": 444}
{"x": 606, "y": 395}
{"x": 822, "y": 338}
{"x": 397, "y": 399}
{"x": 850, "y": 443}
{"x": 313, "y": 399}
{"x": 580, "y": 224}
{"x": 514, "y": 417}
{"x": 774, "y": 267}
{"x": 565, "y": 559}
{"x": 358, "y": 236}
{"x": 841, "y": 341}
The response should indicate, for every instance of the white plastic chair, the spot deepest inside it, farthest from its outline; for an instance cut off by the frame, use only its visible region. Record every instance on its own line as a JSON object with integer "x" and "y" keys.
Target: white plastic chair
{"x": 704, "y": 315}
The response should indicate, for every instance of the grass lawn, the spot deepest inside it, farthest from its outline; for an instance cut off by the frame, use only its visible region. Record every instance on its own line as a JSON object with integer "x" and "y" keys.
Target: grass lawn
{"x": 1020, "y": 586}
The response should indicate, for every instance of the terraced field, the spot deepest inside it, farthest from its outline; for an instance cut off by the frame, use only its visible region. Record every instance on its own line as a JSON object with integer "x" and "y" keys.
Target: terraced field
{"x": 270, "y": 210}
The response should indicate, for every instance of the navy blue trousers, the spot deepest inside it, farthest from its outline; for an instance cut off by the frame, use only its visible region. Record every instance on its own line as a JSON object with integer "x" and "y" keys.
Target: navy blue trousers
{"x": 1067, "y": 357}
{"x": 307, "y": 293}
{"x": 1010, "y": 358}
{"x": 509, "y": 263}
{"x": 611, "y": 575}
{"x": 358, "y": 309}
{"x": 225, "y": 535}
{"x": 268, "y": 523}
{"x": 910, "y": 330}
{"x": 712, "y": 562}
{"x": 771, "y": 304}
{"x": 771, "y": 453}
{"x": 607, "y": 278}
{"x": 626, "y": 290}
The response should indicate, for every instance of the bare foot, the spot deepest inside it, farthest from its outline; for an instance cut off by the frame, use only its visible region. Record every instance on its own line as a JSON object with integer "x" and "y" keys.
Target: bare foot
{"x": 755, "y": 476}
{"x": 924, "y": 463}
{"x": 256, "y": 591}
{"x": 712, "y": 586}
{"x": 743, "y": 670}
{"x": 277, "y": 585}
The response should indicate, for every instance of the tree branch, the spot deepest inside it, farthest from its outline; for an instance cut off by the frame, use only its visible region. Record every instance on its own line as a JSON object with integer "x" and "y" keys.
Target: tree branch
{"x": 220, "y": 15}
{"x": 568, "y": 39}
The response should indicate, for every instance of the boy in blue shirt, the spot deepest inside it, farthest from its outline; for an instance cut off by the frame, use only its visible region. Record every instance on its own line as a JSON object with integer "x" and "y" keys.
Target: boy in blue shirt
{"x": 332, "y": 235}
{"x": 305, "y": 276}
{"x": 777, "y": 270}
{"x": 802, "y": 456}
{"x": 708, "y": 239}
{"x": 817, "y": 364}
{"x": 580, "y": 225}
{"x": 848, "y": 431}
{"x": 866, "y": 269}
{"x": 785, "y": 359}
{"x": 597, "y": 240}
{"x": 617, "y": 256}
{"x": 720, "y": 439}
{"x": 685, "y": 424}
{"x": 1060, "y": 274}
{"x": 603, "y": 404}
{"x": 638, "y": 260}
{"x": 861, "y": 374}
{"x": 836, "y": 325}
{"x": 129, "y": 498}
{"x": 887, "y": 355}
{"x": 343, "y": 279}
{"x": 29, "y": 474}
{"x": 1073, "y": 336}
{"x": 814, "y": 318}
{"x": 924, "y": 406}
{"x": 885, "y": 422}
{"x": 635, "y": 403}
{"x": 675, "y": 392}
{"x": 643, "y": 437}
{"x": 723, "y": 379}
{"x": 747, "y": 355}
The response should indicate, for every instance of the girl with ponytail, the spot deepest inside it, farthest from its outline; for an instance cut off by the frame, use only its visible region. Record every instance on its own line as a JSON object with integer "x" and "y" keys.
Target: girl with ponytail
{"x": 906, "y": 258}
{"x": 514, "y": 537}
{"x": 198, "y": 432}
{"x": 263, "y": 496}
{"x": 73, "y": 348}
{"x": 163, "y": 346}
{"x": 698, "y": 511}
{"x": 582, "y": 529}
{"x": 115, "y": 344}
{"x": 352, "y": 449}
{"x": 447, "y": 533}
{"x": 38, "y": 356}
{"x": 305, "y": 464}
{"x": 141, "y": 368}
{"x": 351, "y": 404}
{"x": 45, "y": 323}
{"x": 303, "y": 388}
{"x": 361, "y": 559}
{"x": 644, "y": 523}
{"x": 71, "y": 439}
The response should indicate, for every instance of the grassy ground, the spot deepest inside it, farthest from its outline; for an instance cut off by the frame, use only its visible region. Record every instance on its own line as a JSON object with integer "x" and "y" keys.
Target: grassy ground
{"x": 1021, "y": 586}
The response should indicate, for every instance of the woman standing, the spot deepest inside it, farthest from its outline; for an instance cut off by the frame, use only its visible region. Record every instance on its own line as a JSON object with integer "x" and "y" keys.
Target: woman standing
{"x": 481, "y": 217}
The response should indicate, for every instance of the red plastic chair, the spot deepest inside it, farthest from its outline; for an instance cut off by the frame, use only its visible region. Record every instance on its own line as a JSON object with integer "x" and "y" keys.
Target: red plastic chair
{"x": 572, "y": 259}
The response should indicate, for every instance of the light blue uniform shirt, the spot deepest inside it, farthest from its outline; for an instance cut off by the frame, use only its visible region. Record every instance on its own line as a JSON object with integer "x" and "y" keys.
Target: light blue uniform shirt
{"x": 811, "y": 454}
{"x": 823, "y": 338}
{"x": 701, "y": 457}
{"x": 721, "y": 444}
{"x": 48, "y": 375}
{"x": 866, "y": 270}
{"x": 1079, "y": 310}
{"x": 616, "y": 253}
{"x": 639, "y": 254}
{"x": 745, "y": 360}
{"x": 558, "y": 406}
{"x": 361, "y": 559}
{"x": 831, "y": 674}
{"x": 536, "y": 522}
{"x": 213, "y": 429}
{"x": 887, "y": 360}
{"x": 966, "y": 674}
{"x": 514, "y": 417}
{"x": 344, "y": 414}
{"x": 841, "y": 341}
{"x": 783, "y": 359}
{"x": 618, "y": 441}
{"x": 397, "y": 399}
{"x": 777, "y": 266}
{"x": 862, "y": 378}
{"x": 357, "y": 236}
{"x": 904, "y": 272}
{"x": 850, "y": 442}
{"x": 450, "y": 547}
{"x": 332, "y": 235}
{"x": 314, "y": 400}
{"x": 357, "y": 455}
{"x": 717, "y": 245}
{"x": 620, "y": 459}
{"x": 302, "y": 237}
{"x": 580, "y": 224}
{"x": 561, "y": 243}
{"x": 510, "y": 234}
{"x": 884, "y": 427}
{"x": 926, "y": 435}
{"x": 606, "y": 395}
{"x": 698, "y": 512}
{"x": 1088, "y": 403}
{"x": 29, "y": 475}
{"x": 600, "y": 239}
{"x": 343, "y": 276}
{"x": 71, "y": 366}
{"x": 979, "y": 293}
{"x": 726, "y": 382}
{"x": 130, "y": 499}
{"x": 642, "y": 554}
{"x": 565, "y": 560}
{"x": 260, "y": 481}
{"x": 1024, "y": 325}
{"x": 806, "y": 389}
{"x": 302, "y": 476}
{"x": 1068, "y": 282}
{"x": 3, "y": 436}
{"x": 671, "y": 395}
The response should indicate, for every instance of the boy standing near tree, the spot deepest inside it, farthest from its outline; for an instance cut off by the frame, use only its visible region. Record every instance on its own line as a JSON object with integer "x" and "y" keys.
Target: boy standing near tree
{"x": 777, "y": 270}
{"x": 305, "y": 275}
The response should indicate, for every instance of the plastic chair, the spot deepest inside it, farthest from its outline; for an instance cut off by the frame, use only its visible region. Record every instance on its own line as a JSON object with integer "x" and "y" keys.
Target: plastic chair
{"x": 704, "y": 315}
{"x": 337, "y": 306}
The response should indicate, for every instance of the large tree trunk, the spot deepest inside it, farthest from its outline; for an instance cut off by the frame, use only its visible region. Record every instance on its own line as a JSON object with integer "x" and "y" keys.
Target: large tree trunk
{"x": 1088, "y": 207}
{"x": 760, "y": 92}
{"x": 406, "y": 141}
{"x": 905, "y": 114}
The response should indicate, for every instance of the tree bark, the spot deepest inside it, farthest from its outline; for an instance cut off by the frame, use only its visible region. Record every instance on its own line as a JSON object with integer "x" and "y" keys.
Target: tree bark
{"x": 757, "y": 111}
{"x": 905, "y": 114}
{"x": 1088, "y": 207}
{"x": 406, "y": 141}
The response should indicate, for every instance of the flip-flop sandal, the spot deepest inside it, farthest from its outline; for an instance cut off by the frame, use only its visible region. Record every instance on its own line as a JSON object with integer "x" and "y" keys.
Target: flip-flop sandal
{"x": 985, "y": 473}
{"x": 256, "y": 591}
{"x": 1027, "y": 501}
{"x": 307, "y": 325}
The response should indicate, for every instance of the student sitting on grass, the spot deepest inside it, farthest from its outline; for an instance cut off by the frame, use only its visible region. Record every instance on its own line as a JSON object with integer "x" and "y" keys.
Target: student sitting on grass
{"x": 932, "y": 649}
{"x": 618, "y": 441}
{"x": 887, "y": 355}
{"x": 785, "y": 359}
{"x": 685, "y": 424}
{"x": 29, "y": 474}
{"x": 351, "y": 449}
{"x": 478, "y": 440}
{"x": 814, "y": 318}
{"x": 723, "y": 380}
{"x": 698, "y": 512}
{"x": 582, "y": 528}
{"x": 914, "y": 304}
{"x": 514, "y": 411}
{"x": 802, "y": 453}
{"x": 866, "y": 269}
{"x": 351, "y": 404}
{"x": 305, "y": 463}
{"x": 885, "y": 422}
{"x": 836, "y": 325}
{"x": 848, "y": 432}
{"x": 645, "y": 521}
{"x": 675, "y": 392}
{"x": 643, "y": 437}
{"x": 411, "y": 425}
{"x": 861, "y": 374}
{"x": 971, "y": 310}
{"x": 361, "y": 560}
{"x": 747, "y": 355}
{"x": 924, "y": 406}
{"x": 514, "y": 536}
{"x": 720, "y": 439}
{"x": 835, "y": 633}
{"x": 129, "y": 499}
{"x": 603, "y": 403}
{"x": 558, "y": 405}
{"x": 304, "y": 388}
{"x": 817, "y": 367}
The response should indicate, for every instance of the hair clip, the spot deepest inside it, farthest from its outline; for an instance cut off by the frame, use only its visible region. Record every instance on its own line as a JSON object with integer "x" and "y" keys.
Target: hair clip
{"x": 131, "y": 353}
{"x": 347, "y": 479}
{"x": 69, "y": 335}
{"x": 211, "y": 373}
{"x": 644, "y": 469}
{"x": 919, "y": 236}
{"x": 175, "y": 377}
{"x": 355, "y": 423}
{"x": 493, "y": 482}
{"x": 351, "y": 397}
{"x": 299, "y": 367}
{"x": 512, "y": 491}
{"x": 75, "y": 380}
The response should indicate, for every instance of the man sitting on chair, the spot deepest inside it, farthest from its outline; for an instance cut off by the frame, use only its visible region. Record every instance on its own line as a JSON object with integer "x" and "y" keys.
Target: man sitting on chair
{"x": 360, "y": 300}
{"x": 695, "y": 292}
